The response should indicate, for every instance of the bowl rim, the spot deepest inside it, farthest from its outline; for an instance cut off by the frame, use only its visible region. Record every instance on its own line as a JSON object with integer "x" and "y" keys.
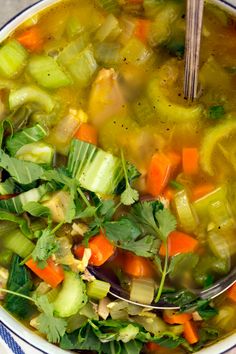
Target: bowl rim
{"x": 6, "y": 319}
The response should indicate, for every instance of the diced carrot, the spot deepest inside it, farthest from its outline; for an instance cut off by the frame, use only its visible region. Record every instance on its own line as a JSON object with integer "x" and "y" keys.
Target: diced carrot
{"x": 168, "y": 193}
{"x": 52, "y": 274}
{"x": 231, "y": 293}
{"x": 153, "y": 347}
{"x": 190, "y": 160}
{"x": 88, "y": 133}
{"x": 175, "y": 160}
{"x": 158, "y": 174}
{"x": 178, "y": 242}
{"x": 176, "y": 318}
{"x": 142, "y": 29}
{"x": 202, "y": 189}
{"x": 102, "y": 249}
{"x": 137, "y": 266}
{"x": 190, "y": 332}
{"x": 32, "y": 39}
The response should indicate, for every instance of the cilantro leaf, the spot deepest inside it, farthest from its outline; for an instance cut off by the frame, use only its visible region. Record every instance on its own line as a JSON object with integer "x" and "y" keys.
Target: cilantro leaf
{"x": 46, "y": 246}
{"x": 48, "y": 324}
{"x": 180, "y": 263}
{"x": 121, "y": 231}
{"x": 144, "y": 247}
{"x": 166, "y": 223}
{"x": 129, "y": 195}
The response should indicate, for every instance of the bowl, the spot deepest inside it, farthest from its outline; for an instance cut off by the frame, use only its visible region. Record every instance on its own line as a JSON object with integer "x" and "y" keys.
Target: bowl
{"x": 15, "y": 327}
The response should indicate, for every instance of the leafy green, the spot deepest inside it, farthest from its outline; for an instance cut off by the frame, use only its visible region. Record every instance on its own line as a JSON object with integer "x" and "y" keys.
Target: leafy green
{"x": 132, "y": 174}
{"x": 46, "y": 246}
{"x": 166, "y": 223}
{"x": 19, "y": 281}
{"x": 216, "y": 112}
{"x": 129, "y": 195}
{"x": 26, "y": 136}
{"x": 5, "y": 215}
{"x": 48, "y": 324}
{"x": 7, "y": 187}
{"x": 23, "y": 172}
{"x": 182, "y": 262}
{"x": 36, "y": 209}
{"x": 206, "y": 334}
{"x": 4, "y": 124}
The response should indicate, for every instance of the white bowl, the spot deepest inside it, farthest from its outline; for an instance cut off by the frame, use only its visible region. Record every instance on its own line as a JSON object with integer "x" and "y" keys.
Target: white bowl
{"x": 13, "y": 325}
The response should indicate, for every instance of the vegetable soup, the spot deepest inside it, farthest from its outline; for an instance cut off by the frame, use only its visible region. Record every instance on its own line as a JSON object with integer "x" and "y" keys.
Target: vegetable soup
{"x": 110, "y": 179}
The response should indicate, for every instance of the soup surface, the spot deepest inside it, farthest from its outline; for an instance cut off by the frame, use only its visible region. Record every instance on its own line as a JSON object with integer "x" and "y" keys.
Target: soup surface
{"x": 111, "y": 180}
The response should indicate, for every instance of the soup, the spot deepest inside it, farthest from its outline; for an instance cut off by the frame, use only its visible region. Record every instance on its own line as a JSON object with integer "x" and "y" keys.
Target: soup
{"x": 111, "y": 180}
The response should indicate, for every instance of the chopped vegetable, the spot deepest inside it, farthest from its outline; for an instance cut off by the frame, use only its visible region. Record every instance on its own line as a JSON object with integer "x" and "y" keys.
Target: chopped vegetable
{"x": 18, "y": 243}
{"x": 231, "y": 293}
{"x": 190, "y": 332}
{"x": 137, "y": 266}
{"x": 97, "y": 289}
{"x": 13, "y": 58}
{"x": 142, "y": 290}
{"x": 87, "y": 133}
{"x": 52, "y": 274}
{"x": 158, "y": 174}
{"x": 32, "y": 39}
{"x": 142, "y": 29}
{"x": 190, "y": 158}
{"x": 172, "y": 317}
{"x": 201, "y": 190}
{"x": 186, "y": 214}
{"x": 178, "y": 242}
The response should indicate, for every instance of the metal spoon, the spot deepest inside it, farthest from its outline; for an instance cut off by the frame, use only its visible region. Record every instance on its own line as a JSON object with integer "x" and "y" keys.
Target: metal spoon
{"x": 207, "y": 294}
{"x": 194, "y": 17}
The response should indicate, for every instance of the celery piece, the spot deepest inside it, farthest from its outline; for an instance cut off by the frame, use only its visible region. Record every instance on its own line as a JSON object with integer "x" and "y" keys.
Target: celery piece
{"x": 75, "y": 322}
{"x": 47, "y": 73}
{"x": 110, "y": 6}
{"x": 144, "y": 112}
{"x": 136, "y": 52}
{"x": 128, "y": 333}
{"x": 31, "y": 94}
{"x": 52, "y": 294}
{"x": 152, "y": 7}
{"x": 6, "y": 227}
{"x": 89, "y": 311}
{"x": 73, "y": 49}
{"x": 218, "y": 245}
{"x": 82, "y": 67}
{"x": 107, "y": 54}
{"x": 210, "y": 265}
{"x": 5, "y": 257}
{"x": 38, "y": 152}
{"x": 142, "y": 290}
{"x": 73, "y": 27}
{"x": 185, "y": 213}
{"x": 97, "y": 289}
{"x": 7, "y": 187}
{"x": 13, "y": 58}
{"x": 18, "y": 243}
{"x": 110, "y": 29}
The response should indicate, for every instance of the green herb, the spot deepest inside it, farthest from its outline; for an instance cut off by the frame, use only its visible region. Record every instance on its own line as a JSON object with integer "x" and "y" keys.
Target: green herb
{"x": 26, "y": 136}
{"x": 5, "y": 215}
{"x": 216, "y": 112}
{"x": 19, "y": 281}
{"x": 206, "y": 334}
{"x": 23, "y": 172}
{"x": 182, "y": 262}
{"x": 130, "y": 195}
{"x": 46, "y": 246}
{"x": 36, "y": 209}
{"x": 176, "y": 185}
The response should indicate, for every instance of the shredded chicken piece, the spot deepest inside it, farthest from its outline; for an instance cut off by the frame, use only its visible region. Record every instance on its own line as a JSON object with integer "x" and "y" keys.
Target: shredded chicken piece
{"x": 3, "y": 281}
{"x": 82, "y": 265}
{"x": 103, "y": 310}
{"x": 79, "y": 229}
{"x": 87, "y": 276}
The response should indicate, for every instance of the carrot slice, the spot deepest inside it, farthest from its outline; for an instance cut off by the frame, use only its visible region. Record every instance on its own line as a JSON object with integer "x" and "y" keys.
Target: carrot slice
{"x": 231, "y": 293}
{"x": 168, "y": 193}
{"x": 175, "y": 160}
{"x": 190, "y": 160}
{"x": 32, "y": 39}
{"x": 137, "y": 266}
{"x": 153, "y": 347}
{"x": 202, "y": 189}
{"x": 190, "y": 332}
{"x": 88, "y": 133}
{"x": 102, "y": 249}
{"x": 177, "y": 318}
{"x": 52, "y": 274}
{"x": 142, "y": 29}
{"x": 178, "y": 242}
{"x": 158, "y": 174}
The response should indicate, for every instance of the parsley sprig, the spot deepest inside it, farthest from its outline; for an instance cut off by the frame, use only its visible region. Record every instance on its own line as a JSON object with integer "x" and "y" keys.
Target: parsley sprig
{"x": 130, "y": 195}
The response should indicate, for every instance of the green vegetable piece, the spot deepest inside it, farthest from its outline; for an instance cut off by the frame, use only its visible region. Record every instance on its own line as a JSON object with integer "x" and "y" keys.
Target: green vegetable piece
{"x": 73, "y": 27}
{"x": 18, "y": 243}
{"x": 130, "y": 195}
{"x": 31, "y": 94}
{"x": 5, "y": 257}
{"x": 210, "y": 265}
{"x": 72, "y": 296}
{"x": 24, "y": 137}
{"x": 47, "y": 73}
{"x": 128, "y": 333}
{"x": 97, "y": 289}
{"x": 10, "y": 223}
{"x": 13, "y": 58}
{"x": 110, "y": 6}
{"x": 7, "y": 187}
{"x": 142, "y": 290}
{"x": 136, "y": 52}
{"x": 185, "y": 213}
{"x": 40, "y": 153}
{"x": 216, "y": 112}
{"x": 18, "y": 281}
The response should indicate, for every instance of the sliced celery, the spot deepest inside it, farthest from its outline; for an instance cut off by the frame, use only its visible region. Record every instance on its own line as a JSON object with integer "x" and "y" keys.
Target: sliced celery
{"x": 52, "y": 294}
{"x": 218, "y": 245}
{"x": 142, "y": 290}
{"x": 6, "y": 227}
{"x": 144, "y": 112}
{"x": 89, "y": 311}
{"x": 75, "y": 322}
{"x": 39, "y": 152}
{"x": 185, "y": 213}
{"x": 18, "y": 243}
{"x": 111, "y": 6}
{"x": 152, "y": 7}
{"x": 97, "y": 289}
{"x": 107, "y": 54}
{"x": 7, "y": 187}
{"x": 13, "y": 58}
{"x": 136, "y": 52}
{"x": 73, "y": 27}
{"x": 73, "y": 49}
{"x": 128, "y": 333}
{"x": 209, "y": 265}
{"x": 153, "y": 325}
{"x": 47, "y": 73}
{"x": 82, "y": 67}
{"x": 110, "y": 29}
{"x": 31, "y": 94}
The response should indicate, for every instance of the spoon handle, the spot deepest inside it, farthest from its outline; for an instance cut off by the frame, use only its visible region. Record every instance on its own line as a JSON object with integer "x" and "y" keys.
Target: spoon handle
{"x": 194, "y": 17}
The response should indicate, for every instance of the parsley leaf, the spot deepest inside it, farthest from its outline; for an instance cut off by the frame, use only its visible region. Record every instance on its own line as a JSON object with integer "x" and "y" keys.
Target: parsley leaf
{"x": 180, "y": 263}
{"x": 130, "y": 195}
{"x": 46, "y": 246}
{"x": 166, "y": 223}
{"x": 48, "y": 324}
